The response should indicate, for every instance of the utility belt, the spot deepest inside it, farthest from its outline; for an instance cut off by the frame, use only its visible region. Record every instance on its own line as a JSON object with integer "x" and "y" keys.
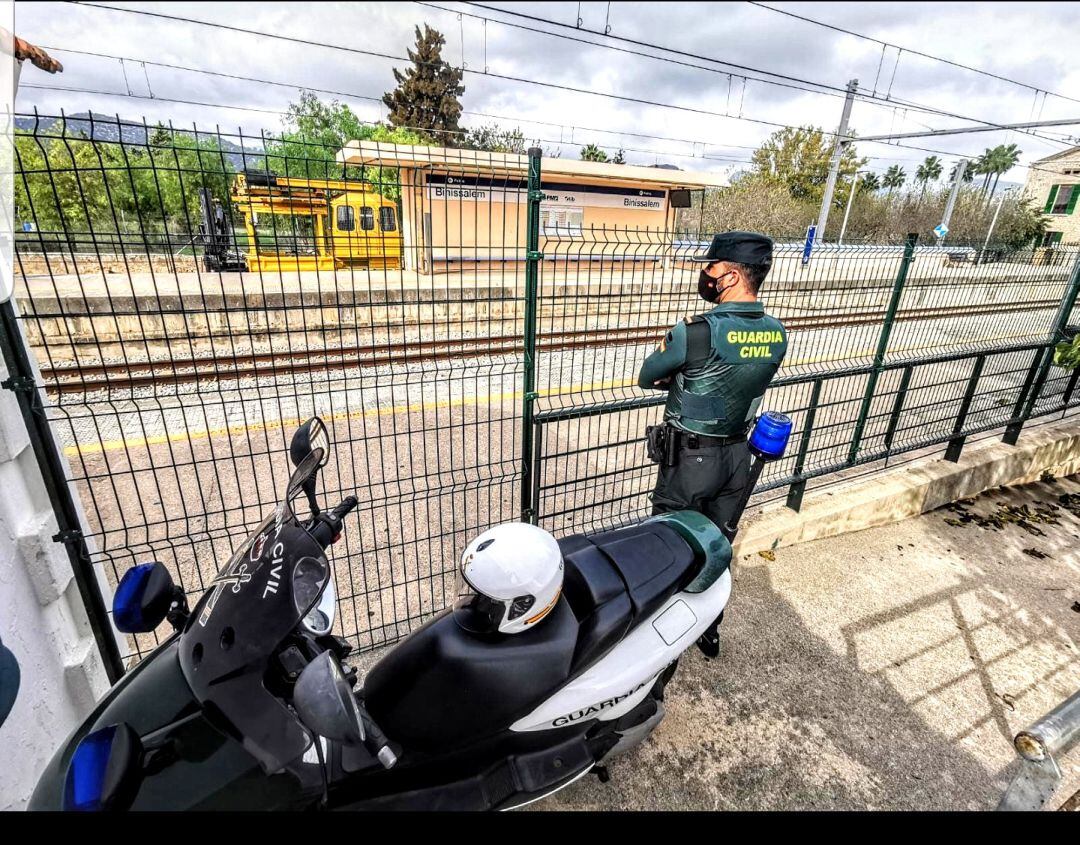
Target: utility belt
{"x": 664, "y": 441}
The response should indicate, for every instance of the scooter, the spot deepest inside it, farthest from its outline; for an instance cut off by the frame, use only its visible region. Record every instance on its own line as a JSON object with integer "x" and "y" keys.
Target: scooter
{"x": 249, "y": 703}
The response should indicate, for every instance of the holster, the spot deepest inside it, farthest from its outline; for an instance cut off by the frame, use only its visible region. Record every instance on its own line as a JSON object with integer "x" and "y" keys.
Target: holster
{"x": 662, "y": 444}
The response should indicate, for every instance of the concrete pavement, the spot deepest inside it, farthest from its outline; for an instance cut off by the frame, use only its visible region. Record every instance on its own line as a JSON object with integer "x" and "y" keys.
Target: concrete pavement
{"x": 885, "y": 669}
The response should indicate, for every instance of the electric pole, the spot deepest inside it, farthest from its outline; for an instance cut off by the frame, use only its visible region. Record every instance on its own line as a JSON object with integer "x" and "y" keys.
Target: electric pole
{"x": 993, "y": 223}
{"x": 847, "y": 211}
{"x": 837, "y": 155}
{"x": 961, "y": 168}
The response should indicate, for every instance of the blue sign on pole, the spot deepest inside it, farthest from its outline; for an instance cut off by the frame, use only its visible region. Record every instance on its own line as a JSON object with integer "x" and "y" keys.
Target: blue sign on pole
{"x": 941, "y": 230}
{"x": 808, "y": 247}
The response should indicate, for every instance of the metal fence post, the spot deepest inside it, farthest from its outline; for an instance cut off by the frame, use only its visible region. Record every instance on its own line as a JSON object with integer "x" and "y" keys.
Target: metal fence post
{"x": 883, "y": 345}
{"x": 21, "y": 381}
{"x": 956, "y": 444}
{"x": 1032, "y": 395}
{"x": 533, "y": 257}
{"x": 798, "y": 485}
{"x": 898, "y": 406}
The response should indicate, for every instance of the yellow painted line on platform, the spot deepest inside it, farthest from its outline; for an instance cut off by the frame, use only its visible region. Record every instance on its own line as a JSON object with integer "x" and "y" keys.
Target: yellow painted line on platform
{"x": 181, "y": 437}
{"x": 487, "y": 399}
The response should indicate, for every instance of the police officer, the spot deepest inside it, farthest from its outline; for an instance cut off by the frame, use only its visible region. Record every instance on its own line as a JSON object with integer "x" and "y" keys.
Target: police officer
{"x": 715, "y": 367}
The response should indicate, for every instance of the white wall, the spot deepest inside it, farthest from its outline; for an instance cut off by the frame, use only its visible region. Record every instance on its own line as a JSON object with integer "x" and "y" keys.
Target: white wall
{"x": 42, "y": 619}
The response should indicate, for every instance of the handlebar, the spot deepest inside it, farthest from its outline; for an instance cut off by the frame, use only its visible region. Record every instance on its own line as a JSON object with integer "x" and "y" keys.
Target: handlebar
{"x": 327, "y": 525}
{"x": 375, "y": 740}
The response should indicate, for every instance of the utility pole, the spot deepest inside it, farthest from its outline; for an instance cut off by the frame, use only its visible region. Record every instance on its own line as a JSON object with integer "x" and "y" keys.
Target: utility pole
{"x": 993, "y": 223}
{"x": 847, "y": 211}
{"x": 961, "y": 168}
{"x": 838, "y": 152}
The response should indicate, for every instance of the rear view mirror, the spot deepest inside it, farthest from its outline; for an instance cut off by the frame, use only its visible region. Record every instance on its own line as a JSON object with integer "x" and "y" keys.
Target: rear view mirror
{"x": 105, "y": 770}
{"x": 325, "y": 702}
{"x": 143, "y": 598}
{"x": 310, "y": 436}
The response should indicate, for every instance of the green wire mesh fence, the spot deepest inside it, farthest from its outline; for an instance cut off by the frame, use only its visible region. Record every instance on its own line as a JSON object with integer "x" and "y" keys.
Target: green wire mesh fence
{"x": 470, "y": 335}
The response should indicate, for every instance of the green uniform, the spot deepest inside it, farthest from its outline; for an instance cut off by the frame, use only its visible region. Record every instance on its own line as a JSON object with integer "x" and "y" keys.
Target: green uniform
{"x": 715, "y": 368}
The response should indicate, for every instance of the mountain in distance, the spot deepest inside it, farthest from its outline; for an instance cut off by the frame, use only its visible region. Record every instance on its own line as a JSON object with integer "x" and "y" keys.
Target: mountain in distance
{"x": 103, "y": 127}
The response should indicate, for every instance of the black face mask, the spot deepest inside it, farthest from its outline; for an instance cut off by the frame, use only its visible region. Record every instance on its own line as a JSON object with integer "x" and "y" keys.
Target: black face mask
{"x": 706, "y": 287}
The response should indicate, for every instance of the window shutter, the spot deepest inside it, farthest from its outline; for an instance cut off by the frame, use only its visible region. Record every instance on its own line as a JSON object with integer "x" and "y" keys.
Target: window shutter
{"x": 1072, "y": 199}
{"x": 1050, "y": 199}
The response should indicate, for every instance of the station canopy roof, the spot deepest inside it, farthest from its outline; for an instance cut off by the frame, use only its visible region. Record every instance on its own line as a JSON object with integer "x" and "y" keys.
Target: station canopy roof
{"x": 382, "y": 154}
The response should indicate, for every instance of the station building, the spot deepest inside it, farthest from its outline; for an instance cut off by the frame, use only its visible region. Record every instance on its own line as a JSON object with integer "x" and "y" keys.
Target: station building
{"x": 467, "y": 208}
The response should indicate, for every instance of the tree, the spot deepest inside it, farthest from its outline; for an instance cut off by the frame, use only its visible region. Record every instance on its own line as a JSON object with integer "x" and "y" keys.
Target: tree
{"x": 870, "y": 183}
{"x": 968, "y": 174}
{"x": 426, "y": 98}
{"x": 980, "y": 167}
{"x": 312, "y": 135}
{"x": 799, "y": 160}
{"x": 928, "y": 171}
{"x": 1003, "y": 158}
{"x": 591, "y": 152}
{"x": 894, "y": 178}
{"x": 495, "y": 140}
{"x": 73, "y": 185}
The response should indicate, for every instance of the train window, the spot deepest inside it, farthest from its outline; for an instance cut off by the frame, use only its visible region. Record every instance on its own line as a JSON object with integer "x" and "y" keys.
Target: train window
{"x": 367, "y": 218}
{"x": 346, "y": 218}
{"x": 386, "y": 219}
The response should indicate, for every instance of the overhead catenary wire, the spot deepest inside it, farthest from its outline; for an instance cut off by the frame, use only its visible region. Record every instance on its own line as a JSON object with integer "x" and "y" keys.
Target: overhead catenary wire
{"x": 280, "y": 113}
{"x": 909, "y": 50}
{"x": 572, "y": 89}
{"x": 558, "y": 142}
{"x": 347, "y": 94}
{"x": 507, "y": 77}
{"x": 357, "y": 96}
{"x": 829, "y": 89}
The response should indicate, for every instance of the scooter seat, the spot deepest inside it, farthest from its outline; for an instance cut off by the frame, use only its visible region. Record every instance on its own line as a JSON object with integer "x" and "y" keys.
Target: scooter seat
{"x": 597, "y": 595}
{"x": 653, "y": 560}
{"x": 443, "y": 688}
{"x": 618, "y": 579}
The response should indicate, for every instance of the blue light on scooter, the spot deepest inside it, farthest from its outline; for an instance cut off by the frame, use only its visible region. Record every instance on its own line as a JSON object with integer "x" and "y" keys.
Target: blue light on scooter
{"x": 770, "y": 436}
{"x": 85, "y": 783}
{"x": 128, "y": 599}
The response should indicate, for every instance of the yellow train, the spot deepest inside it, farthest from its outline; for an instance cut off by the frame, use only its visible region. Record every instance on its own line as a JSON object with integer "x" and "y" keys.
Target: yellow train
{"x": 315, "y": 224}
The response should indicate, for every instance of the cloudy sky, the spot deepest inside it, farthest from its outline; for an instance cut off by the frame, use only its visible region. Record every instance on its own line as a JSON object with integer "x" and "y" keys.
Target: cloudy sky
{"x": 1029, "y": 42}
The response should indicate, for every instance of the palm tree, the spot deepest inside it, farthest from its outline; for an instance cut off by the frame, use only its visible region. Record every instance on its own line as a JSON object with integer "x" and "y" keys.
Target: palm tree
{"x": 870, "y": 182}
{"x": 894, "y": 178}
{"x": 968, "y": 173}
{"x": 928, "y": 171}
{"x": 591, "y": 152}
{"x": 981, "y": 166}
{"x": 1005, "y": 159}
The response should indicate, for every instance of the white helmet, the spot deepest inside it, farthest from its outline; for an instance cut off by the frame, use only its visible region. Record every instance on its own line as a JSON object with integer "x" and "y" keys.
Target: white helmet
{"x": 510, "y": 578}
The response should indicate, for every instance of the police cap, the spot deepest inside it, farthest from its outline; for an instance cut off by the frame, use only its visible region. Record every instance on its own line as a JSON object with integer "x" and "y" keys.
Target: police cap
{"x": 738, "y": 247}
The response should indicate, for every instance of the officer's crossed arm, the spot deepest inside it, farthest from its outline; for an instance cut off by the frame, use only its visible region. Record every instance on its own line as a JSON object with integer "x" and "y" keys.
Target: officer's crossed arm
{"x": 667, "y": 360}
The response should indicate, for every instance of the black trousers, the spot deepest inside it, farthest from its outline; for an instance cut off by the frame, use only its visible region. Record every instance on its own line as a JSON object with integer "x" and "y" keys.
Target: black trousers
{"x": 710, "y": 480}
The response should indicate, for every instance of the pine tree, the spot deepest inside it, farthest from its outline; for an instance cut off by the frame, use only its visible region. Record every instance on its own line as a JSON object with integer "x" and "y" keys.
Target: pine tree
{"x": 426, "y": 98}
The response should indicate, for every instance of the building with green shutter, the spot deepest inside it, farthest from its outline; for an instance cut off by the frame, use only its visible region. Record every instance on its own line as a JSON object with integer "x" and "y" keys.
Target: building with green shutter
{"x": 1054, "y": 184}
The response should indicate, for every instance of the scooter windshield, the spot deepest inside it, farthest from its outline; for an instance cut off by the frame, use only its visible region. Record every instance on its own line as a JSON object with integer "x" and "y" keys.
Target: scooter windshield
{"x": 235, "y": 630}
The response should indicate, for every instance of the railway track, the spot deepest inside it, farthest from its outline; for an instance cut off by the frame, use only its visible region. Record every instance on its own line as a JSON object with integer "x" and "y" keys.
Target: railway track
{"x": 133, "y": 375}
